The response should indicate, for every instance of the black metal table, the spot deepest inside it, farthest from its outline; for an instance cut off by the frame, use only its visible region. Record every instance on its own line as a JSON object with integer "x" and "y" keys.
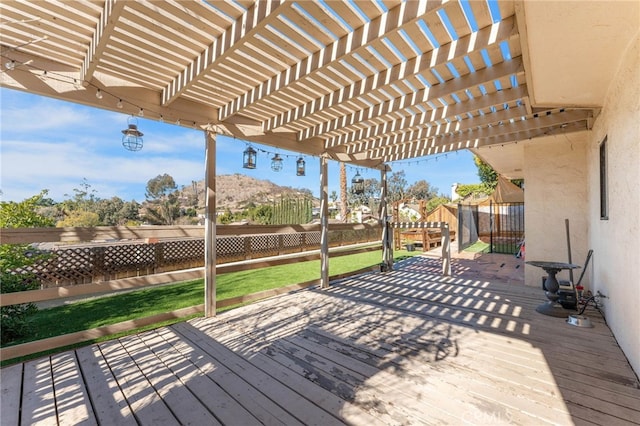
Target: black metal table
{"x": 551, "y": 285}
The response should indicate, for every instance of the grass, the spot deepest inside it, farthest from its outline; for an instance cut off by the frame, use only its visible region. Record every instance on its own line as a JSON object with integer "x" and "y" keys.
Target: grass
{"x": 97, "y": 312}
{"x": 482, "y": 247}
{"x": 478, "y": 247}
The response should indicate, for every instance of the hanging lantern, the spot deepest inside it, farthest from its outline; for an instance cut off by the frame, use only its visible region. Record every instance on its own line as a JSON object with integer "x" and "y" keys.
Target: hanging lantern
{"x": 132, "y": 137}
{"x": 300, "y": 167}
{"x": 249, "y": 158}
{"x": 357, "y": 184}
{"x": 276, "y": 163}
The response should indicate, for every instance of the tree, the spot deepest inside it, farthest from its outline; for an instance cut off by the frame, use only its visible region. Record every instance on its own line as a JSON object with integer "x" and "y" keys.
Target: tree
{"x": 436, "y": 201}
{"x": 371, "y": 191}
{"x": 160, "y": 187}
{"x": 473, "y": 188}
{"x": 84, "y": 198}
{"x": 130, "y": 212}
{"x": 487, "y": 175}
{"x": 163, "y": 200}
{"x": 108, "y": 211}
{"x": 15, "y": 256}
{"x": 79, "y": 218}
{"x": 397, "y": 186}
{"x": 343, "y": 192}
{"x": 422, "y": 190}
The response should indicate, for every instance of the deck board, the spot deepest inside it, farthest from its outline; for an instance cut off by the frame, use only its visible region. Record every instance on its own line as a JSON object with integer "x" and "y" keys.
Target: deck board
{"x": 398, "y": 348}
{"x": 72, "y": 400}
{"x": 38, "y": 401}
{"x": 109, "y": 403}
{"x": 10, "y": 390}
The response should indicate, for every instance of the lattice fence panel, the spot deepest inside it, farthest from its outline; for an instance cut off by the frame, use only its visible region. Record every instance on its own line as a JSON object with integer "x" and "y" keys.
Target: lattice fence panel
{"x": 70, "y": 266}
{"x": 180, "y": 254}
{"x": 265, "y": 245}
{"x": 292, "y": 241}
{"x": 64, "y": 267}
{"x": 129, "y": 260}
{"x": 313, "y": 238}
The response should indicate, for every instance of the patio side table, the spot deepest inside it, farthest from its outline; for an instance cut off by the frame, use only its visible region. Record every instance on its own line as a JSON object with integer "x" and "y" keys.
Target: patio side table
{"x": 552, "y": 307}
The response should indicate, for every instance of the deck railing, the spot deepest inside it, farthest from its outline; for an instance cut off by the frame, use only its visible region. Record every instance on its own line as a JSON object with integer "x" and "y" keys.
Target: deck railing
{"x": 269, "y": 246}
{"x": 111, "y": 260}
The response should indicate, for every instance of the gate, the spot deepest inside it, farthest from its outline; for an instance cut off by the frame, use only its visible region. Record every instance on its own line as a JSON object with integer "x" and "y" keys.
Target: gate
{"x": 506, "y": 227}
{"x": 501, "y": 225}
{"x": 467, "y": 226}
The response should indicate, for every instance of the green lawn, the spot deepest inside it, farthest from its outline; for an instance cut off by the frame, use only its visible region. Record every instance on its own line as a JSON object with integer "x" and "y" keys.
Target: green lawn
{"x": 88, "y": 314}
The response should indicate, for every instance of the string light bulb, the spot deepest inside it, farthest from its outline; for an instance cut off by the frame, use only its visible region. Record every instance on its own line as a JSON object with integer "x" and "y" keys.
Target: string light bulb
{"x": 119, "y": 104}
{"x": 141, "y": 113}
{"x": 99, "y": 94}
{"x": 10, "y": 65}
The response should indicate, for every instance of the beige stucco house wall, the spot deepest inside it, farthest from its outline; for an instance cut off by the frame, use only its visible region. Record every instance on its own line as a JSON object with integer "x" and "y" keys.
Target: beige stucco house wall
{"x": 616, "y": 241}
{"x": 562, "y": 178}
{"x": 556, "y": 183}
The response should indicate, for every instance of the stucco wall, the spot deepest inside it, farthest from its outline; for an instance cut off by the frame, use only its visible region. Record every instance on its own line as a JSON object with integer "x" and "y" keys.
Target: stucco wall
{"x": 616, "y": 241}
{"x": 555, "y": 177}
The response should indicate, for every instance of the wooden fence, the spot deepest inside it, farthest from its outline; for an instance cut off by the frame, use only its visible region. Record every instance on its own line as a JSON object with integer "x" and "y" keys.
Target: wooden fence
{"x": 104, "y": 261}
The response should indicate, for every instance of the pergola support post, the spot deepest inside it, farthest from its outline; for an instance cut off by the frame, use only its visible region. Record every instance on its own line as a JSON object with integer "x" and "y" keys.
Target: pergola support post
{"x": 446, "y": 249}
{"x": 210, "y": 225}
{"x": 387, "y": 235}
{"x": 324, "y": 222}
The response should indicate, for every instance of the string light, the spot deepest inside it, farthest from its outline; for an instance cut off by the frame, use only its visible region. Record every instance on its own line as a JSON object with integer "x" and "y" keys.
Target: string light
{"x": 78, "y": 85}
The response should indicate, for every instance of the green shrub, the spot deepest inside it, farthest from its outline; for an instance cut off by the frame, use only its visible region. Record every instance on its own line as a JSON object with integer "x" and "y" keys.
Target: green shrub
{"x": 13, "y": 258}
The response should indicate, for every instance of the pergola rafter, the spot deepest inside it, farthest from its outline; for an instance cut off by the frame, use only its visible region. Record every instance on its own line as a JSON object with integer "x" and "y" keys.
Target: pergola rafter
{"x": 358, "y": 82}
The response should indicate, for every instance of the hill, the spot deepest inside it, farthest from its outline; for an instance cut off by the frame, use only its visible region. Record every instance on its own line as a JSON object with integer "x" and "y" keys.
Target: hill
{"x": 236, "y": 191}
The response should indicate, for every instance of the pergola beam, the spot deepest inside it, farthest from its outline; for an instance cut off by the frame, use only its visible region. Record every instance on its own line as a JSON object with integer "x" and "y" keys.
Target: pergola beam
{"x": 420, "y": 97}
{"x": 395, "y": 18}
{"x": 490, "y": 36}
{"x": 431, "y": 122}
{"x": 421, "y": 148}
{"x": 257, "y": 17}
{"x": 108, "y": 19}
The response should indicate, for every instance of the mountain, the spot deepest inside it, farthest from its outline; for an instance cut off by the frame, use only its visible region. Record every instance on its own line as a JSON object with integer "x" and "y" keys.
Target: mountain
{"x": 236, "y": 191}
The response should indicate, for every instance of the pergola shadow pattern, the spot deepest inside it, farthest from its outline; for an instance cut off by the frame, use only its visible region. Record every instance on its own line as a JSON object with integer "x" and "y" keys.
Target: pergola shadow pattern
{"x": 403, "y": 347}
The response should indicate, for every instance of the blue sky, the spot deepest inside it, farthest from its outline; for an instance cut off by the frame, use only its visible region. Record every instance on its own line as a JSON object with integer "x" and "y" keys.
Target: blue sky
{"x": 54, "y": 145}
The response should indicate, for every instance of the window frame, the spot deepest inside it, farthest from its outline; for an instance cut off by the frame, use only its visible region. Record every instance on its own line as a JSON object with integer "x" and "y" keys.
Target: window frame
{"x": 604, "y": 187}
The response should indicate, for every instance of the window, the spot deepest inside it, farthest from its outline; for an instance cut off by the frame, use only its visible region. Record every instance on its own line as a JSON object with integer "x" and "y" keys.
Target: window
{"x": 604, "y": 205}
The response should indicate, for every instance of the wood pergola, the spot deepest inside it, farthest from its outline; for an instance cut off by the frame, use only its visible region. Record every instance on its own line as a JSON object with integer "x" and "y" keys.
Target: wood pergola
{"x": 368, "y": 82}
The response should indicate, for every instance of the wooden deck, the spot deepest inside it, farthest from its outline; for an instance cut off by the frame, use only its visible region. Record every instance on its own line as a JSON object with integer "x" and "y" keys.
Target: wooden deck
{"x": 404, "y": 347}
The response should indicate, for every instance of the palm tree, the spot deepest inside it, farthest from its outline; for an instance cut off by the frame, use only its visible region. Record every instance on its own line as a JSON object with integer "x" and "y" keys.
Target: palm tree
{"x": 343, "y": 192}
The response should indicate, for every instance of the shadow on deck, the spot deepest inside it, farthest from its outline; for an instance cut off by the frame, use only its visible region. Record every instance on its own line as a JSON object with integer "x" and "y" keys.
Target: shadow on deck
{"x": 403, "y": 347}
